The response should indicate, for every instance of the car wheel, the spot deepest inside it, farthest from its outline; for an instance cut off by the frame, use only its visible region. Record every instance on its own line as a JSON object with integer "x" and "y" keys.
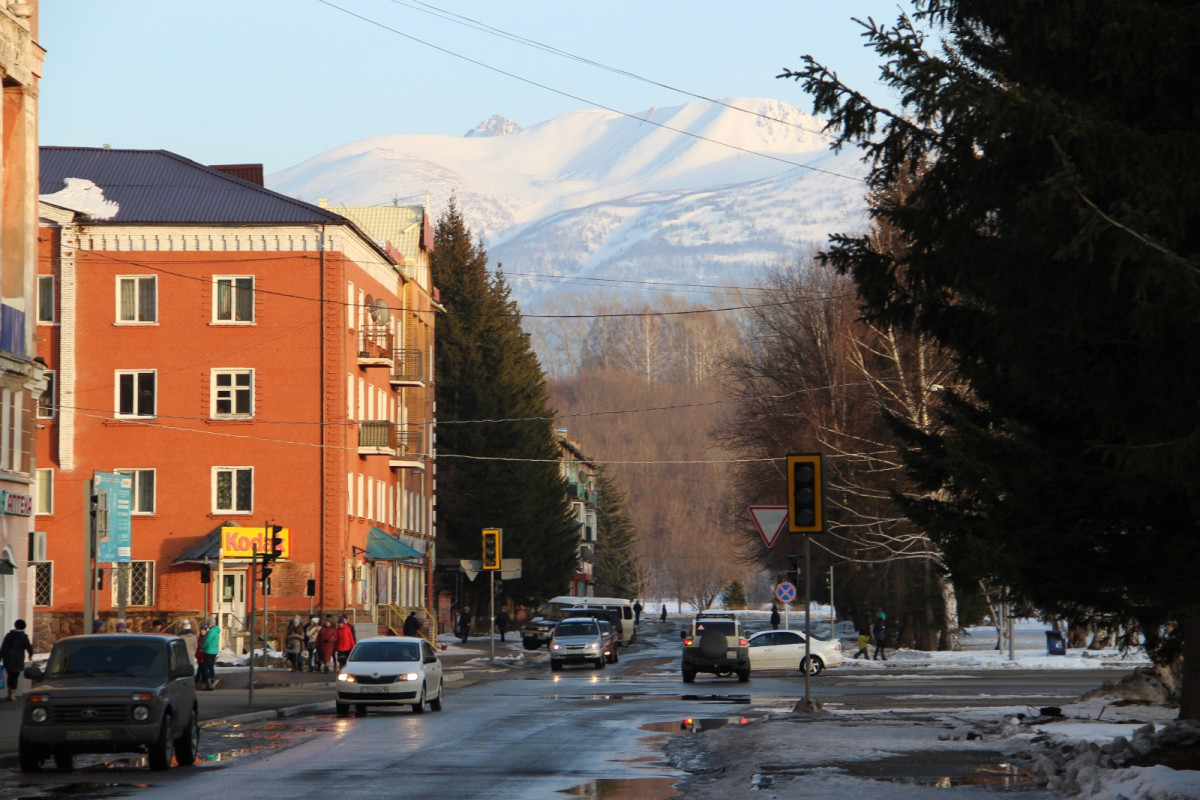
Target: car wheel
{"x": 342, "y": 709}
{"x": 689, "y": 675}
{"x": 64, "y": 760}
{"x": 163, "y": 749}
{"x": 555, "y": 666}
{"x": 743, "y": 675}
{"x": 436, "y": 703}
{"x": 188, "y": 745}
{"x": 616, "y": 656}
{"x": 530, "y": 644}
{"x": 31, "y": 757}
{"x": 601, "y": 661}
{"x": 360, "y": 710}
{"x": 813, "y": 668}
{"x": 419, "y": 706}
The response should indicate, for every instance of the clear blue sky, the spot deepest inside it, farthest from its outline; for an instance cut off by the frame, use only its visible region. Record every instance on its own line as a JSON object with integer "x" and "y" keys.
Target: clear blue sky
{"x": 279, "y": 81}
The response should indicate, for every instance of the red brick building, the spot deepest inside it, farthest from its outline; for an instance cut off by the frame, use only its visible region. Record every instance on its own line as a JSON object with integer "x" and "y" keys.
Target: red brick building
{"x": 243, "y": 360}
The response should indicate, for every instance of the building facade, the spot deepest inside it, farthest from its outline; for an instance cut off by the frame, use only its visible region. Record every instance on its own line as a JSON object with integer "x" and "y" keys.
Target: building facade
{"x": 238, "y": 362}
{"x": 20, "y": 375}
{"x": 580, "y": 474}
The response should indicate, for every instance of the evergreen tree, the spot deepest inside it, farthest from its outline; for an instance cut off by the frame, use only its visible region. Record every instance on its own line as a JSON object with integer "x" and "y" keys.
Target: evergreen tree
{"x": 497, "y": 456}
{"x": 1051, "y": 250}
{"x": 616, "y": 559}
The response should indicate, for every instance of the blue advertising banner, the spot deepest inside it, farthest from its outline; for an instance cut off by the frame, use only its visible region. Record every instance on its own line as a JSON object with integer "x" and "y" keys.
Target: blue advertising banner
{"x": 114, "y": 540}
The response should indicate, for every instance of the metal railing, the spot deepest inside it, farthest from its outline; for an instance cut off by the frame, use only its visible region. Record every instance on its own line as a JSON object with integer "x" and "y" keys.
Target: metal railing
{"x": 375, "y": 342}
{"x": 407, "y": 365}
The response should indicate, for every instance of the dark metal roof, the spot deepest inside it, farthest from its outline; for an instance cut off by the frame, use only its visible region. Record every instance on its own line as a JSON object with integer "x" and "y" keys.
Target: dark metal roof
{"x": 157, "y": 186}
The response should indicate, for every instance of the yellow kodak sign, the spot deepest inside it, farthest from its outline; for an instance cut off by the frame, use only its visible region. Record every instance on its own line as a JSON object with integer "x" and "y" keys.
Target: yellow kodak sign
{"x": 243, "y": 542}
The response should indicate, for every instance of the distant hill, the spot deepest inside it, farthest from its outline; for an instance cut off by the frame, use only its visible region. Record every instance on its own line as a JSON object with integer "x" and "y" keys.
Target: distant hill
{"x": 698, "y": 193}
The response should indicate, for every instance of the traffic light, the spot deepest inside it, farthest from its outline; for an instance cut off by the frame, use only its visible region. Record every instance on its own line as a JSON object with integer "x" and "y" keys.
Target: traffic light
{"x": 264, "y": 575}
{"x": 274, "y": 543}
{"x": 794, "y": 574}
{"x": 805, "y": 511}
{"x": 491, "y": 548}
{"x": 205, "y": 573}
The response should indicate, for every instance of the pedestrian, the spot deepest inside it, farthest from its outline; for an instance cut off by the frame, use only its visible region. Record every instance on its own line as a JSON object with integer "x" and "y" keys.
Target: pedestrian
{"x": 327, "y": 643}
{"x": 121, "y": 627}
{"x": 189, "y": 636}
{"x": 663, "y": 617}
{"x": 502, "y": 623}
{"x": 210, "y": 647}
{"x": 293, "y": 644}
{"x": 345, "y": 641}
{"x": 464, "y": 625}
{"x": 880, "y": 634}
{"x": 199, "y": 654}
{"x": 156, "y": 626}
{"x": 774, "y": 616}
{"x": 12, "y": 654}
{"x": 864, "y": 644}
{"x": 311, "y": 630}
{"x": 412, "y": 625}
{"x": 637, "y": 611}
{"x": 97, "y": 625}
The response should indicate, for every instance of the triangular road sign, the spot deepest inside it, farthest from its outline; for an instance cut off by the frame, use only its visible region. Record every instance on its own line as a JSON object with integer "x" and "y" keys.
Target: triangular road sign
{"x": 770, "y": 520}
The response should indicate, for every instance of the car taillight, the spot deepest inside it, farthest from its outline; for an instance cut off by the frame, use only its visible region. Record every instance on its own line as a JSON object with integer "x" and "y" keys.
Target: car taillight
{"x": 687, "y": 642}
{"x": 742, "y": 642}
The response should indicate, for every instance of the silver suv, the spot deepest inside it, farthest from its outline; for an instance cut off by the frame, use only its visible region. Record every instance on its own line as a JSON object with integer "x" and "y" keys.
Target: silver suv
{"x": 577, "y": 640}
{"x": 112, "y": 693}
{"x": 715, "y": 643}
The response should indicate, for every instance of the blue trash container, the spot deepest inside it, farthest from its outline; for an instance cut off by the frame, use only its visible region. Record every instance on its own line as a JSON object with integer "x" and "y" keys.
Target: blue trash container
{"x": 1056, "y": 645}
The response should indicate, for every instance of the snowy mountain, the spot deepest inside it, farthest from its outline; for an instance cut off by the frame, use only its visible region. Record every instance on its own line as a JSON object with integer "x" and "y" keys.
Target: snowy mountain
{"x": 707, "y": 192}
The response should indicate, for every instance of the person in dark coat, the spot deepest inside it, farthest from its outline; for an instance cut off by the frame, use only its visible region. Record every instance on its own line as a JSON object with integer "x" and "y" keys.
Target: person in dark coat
{"x": 879, "y": 632}
{"x": 12, "y": 653}
{"x": 774, "y": 616}
{"x": 663, "y": 618}
{"x": 412, "y": 625}
{"x": 637, "y": 611}
{"x": 326, "y": 643}
{"x": 502, "y": 623}
{"x": 464, "y": 625}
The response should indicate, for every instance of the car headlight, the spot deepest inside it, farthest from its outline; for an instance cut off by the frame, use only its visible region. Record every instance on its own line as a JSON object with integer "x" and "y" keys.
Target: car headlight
{"x": 346, "y": 677}
{"x": 39, "y": 714}
{"x": 409, "y": 676}
{"x": 593, "y": 645}
{"x": 555, "y": 646}
{"x": 141, "y": 713}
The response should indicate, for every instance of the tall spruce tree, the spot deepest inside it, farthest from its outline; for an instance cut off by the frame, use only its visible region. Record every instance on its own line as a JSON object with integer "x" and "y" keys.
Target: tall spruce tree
{"x": 1052, "y": 249}
{"x": 616, "y": 561}
{"x": 497, "y": 456}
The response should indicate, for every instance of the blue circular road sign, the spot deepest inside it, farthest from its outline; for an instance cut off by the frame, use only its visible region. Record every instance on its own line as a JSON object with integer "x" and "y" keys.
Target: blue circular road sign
{"x": 785, "y": 592}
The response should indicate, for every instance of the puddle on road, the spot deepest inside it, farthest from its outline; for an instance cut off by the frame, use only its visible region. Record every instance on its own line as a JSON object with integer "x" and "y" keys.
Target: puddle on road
{"x": 944, "y": 770}
{"x": 624, "y": 789}
{"x": 90, "y": 789}
{"x": 696, "y": 724}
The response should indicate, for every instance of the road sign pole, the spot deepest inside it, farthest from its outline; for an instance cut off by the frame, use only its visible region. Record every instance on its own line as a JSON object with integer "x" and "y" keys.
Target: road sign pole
{"x": 808, "y": 626}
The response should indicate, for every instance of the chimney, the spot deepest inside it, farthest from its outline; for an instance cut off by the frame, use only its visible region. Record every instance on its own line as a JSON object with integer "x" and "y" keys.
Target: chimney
{"x": 251, "y": 173}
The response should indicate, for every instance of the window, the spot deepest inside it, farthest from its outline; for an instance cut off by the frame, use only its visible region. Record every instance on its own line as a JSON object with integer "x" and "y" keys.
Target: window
{"x": 48, "y": 402}
{"x": 232, "y": 393}
{"x": 233, "y": 299}
{"x": 233, "y": 490}
{"x": 46, "y": 304}
{"x": 137, "y": 298}
{"x": 140, "y": 583}
{"x": 44, "y": 491}
{"x": 16, "y": 431}
{"x": 142, "y": 491}
{"x": 43, "y": 583}
{"x": 135, "y": 394}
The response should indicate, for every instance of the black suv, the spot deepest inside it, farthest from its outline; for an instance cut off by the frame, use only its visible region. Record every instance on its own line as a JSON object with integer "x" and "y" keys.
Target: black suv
{"x": 112, "y": 693}
{"x": 715, "y": 643}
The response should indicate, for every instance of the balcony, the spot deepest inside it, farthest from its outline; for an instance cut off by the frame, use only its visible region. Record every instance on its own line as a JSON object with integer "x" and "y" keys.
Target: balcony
{"x": 410, "y": 447}
{"x": 375, "y": 346}
{"x": 376, "y": 438}
{"x": 407, "y": 367}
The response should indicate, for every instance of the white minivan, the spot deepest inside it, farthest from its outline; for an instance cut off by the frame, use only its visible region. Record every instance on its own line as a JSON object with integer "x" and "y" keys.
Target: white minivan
{"x": 557, "y": 605}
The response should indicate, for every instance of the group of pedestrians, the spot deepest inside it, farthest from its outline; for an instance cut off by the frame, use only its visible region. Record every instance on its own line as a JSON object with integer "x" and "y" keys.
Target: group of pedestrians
{"x": 878, "y": 636}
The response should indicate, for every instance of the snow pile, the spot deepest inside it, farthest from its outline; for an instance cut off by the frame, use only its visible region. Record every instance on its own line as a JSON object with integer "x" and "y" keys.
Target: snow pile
{"x": 80, "y": 194}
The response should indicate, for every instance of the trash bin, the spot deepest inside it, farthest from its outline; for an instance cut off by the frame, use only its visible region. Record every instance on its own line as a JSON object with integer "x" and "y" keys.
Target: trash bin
{"x": 1056, "y": 645}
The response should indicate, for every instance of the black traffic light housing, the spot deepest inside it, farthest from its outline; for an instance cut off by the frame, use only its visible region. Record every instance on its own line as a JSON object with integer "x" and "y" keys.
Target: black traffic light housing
{"x": 794, "y": 573}
{"x": 274, "y": 543}
{"x": 806, "y": 513}
{"x": 205, "y": 573}
{"x": 491, "y": 548}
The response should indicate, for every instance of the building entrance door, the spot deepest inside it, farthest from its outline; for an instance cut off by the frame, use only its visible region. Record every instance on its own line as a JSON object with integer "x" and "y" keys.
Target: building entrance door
{"x": 233, "y": 610}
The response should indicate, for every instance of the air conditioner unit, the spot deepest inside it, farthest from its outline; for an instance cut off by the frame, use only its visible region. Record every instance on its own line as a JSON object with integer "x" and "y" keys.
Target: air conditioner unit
{"x": 37, "y": 546}
{"x": 360, "y": 572}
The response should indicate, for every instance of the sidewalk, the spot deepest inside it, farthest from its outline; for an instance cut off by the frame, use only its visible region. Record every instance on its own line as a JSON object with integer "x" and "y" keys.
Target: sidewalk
{"x": 277, "y": 693}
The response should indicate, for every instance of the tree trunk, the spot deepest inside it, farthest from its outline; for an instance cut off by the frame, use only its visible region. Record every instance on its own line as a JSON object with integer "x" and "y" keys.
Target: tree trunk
{"x": 950, "y": 638}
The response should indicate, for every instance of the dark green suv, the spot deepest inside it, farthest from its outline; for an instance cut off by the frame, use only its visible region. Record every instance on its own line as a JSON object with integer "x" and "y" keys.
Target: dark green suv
{"x": 715, "y": 643}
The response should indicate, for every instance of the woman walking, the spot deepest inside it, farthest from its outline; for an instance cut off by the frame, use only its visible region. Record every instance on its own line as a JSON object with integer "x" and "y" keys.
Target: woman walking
{"x": 12, "y": 653}
{"x": 326, "y": 643}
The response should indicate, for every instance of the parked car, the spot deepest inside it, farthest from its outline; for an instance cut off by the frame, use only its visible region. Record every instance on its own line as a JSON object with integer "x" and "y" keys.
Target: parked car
{"x": 390, "y": 671}
{"x": 785, "y": 650}
{"x": 112, "y": 694}
{"x": 537, "y": 632}
{"x": 611, "y": 614}
{"x": 577, "y": 640}
{"x": 612, "y": 642}
{"x": 715, "y": 643}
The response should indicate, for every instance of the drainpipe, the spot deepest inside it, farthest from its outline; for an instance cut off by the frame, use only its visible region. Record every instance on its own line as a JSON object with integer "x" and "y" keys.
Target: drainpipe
{"x": 321, "y": 449}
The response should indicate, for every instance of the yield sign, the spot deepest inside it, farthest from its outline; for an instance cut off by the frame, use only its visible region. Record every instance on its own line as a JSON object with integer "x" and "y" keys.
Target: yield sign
{"x": 769, "y": 520}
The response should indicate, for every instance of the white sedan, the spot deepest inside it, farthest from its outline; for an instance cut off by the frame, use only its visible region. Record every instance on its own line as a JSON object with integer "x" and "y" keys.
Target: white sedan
{"x": 390, "y": 671}
{"x": 785, "y": 650}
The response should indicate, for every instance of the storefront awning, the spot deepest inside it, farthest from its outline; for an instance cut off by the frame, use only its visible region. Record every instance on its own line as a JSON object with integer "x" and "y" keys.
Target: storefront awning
{"x": 382, "y": 547}
{"x": 207, "y": 549}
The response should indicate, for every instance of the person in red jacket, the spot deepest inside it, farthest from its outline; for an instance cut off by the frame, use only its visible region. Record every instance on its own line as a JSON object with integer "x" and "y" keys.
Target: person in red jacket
{"x": 345, "y": 641}
{"x": 326, "y": 643}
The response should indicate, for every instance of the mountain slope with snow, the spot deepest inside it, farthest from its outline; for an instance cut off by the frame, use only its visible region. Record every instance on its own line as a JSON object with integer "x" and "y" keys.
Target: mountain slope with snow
{"x": 698, "y": 191}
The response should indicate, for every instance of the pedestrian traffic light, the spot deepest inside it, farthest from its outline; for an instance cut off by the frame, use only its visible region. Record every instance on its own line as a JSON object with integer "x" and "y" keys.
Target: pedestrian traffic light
{"x": 265, "y": 574}
{"x": 205, "y": 573}
{"x": 274, "y": 543}
{"x": 805, "y": 509}
{"x": 491, "y": 548}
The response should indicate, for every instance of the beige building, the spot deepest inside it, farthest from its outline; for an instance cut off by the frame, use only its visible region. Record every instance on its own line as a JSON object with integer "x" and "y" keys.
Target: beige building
{"x": 21, "y": 377}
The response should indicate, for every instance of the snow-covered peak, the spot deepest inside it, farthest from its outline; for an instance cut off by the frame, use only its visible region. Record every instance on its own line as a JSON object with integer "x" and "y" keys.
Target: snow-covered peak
{"x": 494, "y": 125}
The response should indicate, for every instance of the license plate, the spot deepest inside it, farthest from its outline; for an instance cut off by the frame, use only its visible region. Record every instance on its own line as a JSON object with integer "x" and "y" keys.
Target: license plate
{"x": 88, "y": 736}
{"x": 372, "y": 690}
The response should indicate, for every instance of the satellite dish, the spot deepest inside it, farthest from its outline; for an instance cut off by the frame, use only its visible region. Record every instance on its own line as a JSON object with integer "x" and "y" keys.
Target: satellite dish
{"x": 380, "y": 311}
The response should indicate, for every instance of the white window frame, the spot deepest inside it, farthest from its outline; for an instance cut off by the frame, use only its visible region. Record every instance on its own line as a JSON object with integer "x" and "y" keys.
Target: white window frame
{"x": 47, "y": 404}
{"x": 47, "y": 291}
{"x": 229, "y": 394}
{"x": 118, "y": 378}
{"x": 139, "y": 316}
{"x": 143, "y": 490}
{"x": 233, "y": 316}
{"x": 147, "y": 582}
{"x": 233, "y": 473}
{"x": 43, "y": 496}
